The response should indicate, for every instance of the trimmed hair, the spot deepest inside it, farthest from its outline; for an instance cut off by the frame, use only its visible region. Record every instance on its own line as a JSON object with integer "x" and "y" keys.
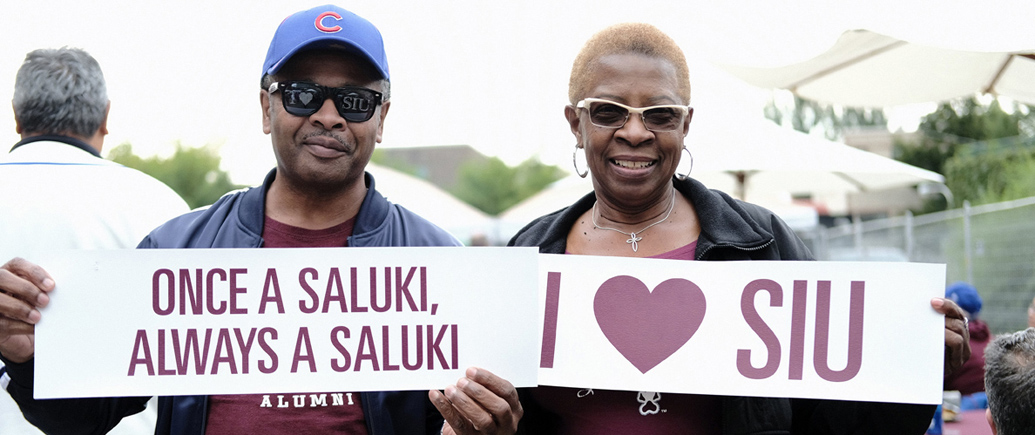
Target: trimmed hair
{"x": 60, "y": 91}
{"x": 1010, "y": 381}
{"x": 637, "y": 38}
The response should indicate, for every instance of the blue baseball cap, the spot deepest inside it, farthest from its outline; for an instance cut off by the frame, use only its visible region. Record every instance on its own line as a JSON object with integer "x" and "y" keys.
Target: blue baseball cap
{"x": 326, "y": 26}
{"x": 965, "y": 295}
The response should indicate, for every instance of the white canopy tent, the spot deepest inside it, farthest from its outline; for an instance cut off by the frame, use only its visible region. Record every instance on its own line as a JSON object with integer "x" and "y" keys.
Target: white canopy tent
{"x": 758, "y": 160}
{"x": 867, "y": 69}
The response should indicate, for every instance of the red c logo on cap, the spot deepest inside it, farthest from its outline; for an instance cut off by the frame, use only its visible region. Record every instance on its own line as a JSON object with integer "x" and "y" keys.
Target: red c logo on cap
{"x": 325, "y": 29}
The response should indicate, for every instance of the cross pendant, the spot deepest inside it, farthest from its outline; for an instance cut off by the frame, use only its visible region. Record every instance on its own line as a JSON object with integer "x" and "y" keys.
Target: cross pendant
{"x": 632, "y": 240}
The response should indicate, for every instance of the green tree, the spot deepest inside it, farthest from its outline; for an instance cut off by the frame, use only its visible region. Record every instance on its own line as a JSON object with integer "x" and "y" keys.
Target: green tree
{"x": 1021, "y": 174}
{"x": 993, "y": 175}
{"x": 955, "y": 123}
{"x": 192, "y": 172}
{"x": 968, "y": 120}
{"x": 493, "y": 187}
{"x": 961, "y": 140}
{"x": 805, "y": 115}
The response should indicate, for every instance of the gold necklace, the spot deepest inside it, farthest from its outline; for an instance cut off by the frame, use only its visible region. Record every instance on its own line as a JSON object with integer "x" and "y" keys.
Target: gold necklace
{"x": 633, "y": 237}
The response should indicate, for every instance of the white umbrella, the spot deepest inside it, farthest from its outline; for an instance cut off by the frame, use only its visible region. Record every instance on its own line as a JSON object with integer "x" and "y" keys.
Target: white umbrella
{"x": 866, "y": 69}
{"x": 758, "y": 160}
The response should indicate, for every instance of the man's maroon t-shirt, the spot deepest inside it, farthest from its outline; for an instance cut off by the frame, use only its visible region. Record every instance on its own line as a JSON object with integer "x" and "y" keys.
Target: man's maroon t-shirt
{"x": 295, "y": 413}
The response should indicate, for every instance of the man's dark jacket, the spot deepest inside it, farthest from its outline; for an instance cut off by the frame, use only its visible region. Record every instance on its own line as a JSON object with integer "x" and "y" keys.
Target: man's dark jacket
{"x": 235, "y": 221}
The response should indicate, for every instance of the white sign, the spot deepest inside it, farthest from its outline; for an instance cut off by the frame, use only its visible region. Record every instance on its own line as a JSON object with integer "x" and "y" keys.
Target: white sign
{"x": 832, "y": 330}
{"x": 211, "y": 321}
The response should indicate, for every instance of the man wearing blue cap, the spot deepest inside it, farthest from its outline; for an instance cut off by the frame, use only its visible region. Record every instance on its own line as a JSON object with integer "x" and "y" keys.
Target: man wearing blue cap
{"x": 970, "y": 377}
{"x": 324, "y": 96}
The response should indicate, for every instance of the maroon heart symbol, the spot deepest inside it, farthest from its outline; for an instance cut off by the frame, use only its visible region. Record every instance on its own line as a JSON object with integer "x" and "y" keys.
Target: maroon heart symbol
{"x": 645, "y": 326}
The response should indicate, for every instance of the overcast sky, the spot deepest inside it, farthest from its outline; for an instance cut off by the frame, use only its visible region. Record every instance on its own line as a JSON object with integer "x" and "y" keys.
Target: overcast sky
{"x": 491, "y": 74}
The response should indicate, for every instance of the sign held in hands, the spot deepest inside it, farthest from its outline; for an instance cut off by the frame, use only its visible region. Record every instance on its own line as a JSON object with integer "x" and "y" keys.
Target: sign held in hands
{"x": 173, "y": 322}
{"x": 833, "y": 330}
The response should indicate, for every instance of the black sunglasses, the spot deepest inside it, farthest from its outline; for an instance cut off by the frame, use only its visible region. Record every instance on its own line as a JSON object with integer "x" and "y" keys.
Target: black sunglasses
{"x": 354, "y": 103}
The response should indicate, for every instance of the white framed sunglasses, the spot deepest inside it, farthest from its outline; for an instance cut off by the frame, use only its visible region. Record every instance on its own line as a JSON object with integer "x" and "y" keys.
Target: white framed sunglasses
{"x": 609, "y": 114}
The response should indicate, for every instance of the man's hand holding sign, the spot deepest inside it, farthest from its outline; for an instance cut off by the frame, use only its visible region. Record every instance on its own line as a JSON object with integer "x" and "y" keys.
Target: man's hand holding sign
{"x": 24, "y": 290}
{"x": 957, "y": 336}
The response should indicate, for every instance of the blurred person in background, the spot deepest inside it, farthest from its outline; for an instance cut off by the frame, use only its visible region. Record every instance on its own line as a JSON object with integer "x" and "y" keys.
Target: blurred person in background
{"x": 1010, "y": 383}
{"x": 969, "y": 380}
{"x": 58, "y": 193}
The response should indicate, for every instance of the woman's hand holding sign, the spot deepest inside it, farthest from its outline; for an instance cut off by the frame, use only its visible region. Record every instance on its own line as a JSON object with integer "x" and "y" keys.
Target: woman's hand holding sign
{"x": 479, "y": 403}
{"x": 957, "y": 336}
{"x": 23, "y": 289}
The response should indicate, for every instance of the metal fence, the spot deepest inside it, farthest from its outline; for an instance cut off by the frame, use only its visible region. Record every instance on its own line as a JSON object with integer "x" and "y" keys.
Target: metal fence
{"x": 991, "y": 246}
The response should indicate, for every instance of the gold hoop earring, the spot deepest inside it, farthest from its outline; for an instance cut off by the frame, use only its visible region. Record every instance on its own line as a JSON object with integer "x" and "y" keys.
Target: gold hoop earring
{"x": 575, "y": 162}
{"x": 687, "y": 175}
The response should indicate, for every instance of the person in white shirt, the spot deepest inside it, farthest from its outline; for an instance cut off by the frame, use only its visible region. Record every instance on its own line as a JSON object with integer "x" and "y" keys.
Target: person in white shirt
{"x": 56, "y": 192}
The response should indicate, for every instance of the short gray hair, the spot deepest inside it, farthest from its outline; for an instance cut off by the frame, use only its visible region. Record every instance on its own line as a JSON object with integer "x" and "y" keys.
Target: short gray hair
{"x": 1010, "y": 381}
{"x": 60, "y": 91}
